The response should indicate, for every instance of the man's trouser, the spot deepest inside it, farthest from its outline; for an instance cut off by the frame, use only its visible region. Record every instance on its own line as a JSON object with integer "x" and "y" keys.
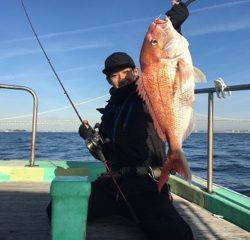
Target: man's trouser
{"x": 158, "y": 217}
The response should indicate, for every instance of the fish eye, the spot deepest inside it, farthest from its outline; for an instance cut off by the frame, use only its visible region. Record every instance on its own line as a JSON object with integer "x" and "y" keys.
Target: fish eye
{"x": 153, "y": 42}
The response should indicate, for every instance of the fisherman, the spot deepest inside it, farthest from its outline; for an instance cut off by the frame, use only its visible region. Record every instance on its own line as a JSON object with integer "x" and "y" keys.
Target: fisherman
{"x": 178, "y": 13}
{"x": 134, "y": 153}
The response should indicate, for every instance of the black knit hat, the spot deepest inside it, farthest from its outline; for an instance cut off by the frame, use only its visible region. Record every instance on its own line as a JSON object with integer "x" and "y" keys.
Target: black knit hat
{"x": 117, "y": 61}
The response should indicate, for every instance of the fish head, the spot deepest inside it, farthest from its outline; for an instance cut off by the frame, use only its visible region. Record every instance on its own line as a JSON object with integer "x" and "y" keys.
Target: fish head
{"x": 160, "y": 33}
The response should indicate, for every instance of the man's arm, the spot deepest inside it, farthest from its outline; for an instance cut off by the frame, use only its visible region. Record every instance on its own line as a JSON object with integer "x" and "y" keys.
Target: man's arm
{"x": 189, "y": 2}
{"x": 178, "y": 14}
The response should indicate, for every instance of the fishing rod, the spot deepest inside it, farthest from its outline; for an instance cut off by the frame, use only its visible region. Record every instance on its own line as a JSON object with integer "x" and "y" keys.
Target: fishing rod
{"x": 94, "y": 142}
{"x": 50, "y": 64}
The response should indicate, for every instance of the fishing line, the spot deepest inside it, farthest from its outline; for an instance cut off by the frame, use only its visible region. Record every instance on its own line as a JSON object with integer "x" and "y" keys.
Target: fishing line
{"x": 99, "y": 152}
{"x": 55, "y": 109}
{"x": 50, "y": 64}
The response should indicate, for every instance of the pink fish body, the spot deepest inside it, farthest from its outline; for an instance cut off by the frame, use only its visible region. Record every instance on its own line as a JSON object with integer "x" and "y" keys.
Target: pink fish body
{"x": 167, "y": 87}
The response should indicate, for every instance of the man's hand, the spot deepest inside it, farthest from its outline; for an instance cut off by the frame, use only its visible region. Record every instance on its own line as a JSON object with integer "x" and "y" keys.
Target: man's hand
{"x": 85, "y": 130}
{"x": 92, "y": 139}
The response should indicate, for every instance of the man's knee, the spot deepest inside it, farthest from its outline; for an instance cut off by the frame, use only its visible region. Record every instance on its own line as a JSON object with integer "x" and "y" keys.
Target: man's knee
{"x": 174, "y": 230}
{"x": 185, "y": 232}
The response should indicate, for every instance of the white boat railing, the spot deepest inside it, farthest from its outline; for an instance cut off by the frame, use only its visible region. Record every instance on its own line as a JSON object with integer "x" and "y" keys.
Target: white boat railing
{"x": 210, "y": 126}
{"x": 34, "y": 118}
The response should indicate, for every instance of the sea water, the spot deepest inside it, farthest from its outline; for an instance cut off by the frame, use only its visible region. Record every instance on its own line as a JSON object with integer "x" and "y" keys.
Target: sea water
{"x": 231, "y": 153}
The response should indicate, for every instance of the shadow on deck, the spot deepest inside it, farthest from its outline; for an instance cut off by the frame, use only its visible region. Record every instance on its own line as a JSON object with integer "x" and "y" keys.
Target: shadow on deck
{"x": 23, "y": 216}
{"x": 22, "y": 211}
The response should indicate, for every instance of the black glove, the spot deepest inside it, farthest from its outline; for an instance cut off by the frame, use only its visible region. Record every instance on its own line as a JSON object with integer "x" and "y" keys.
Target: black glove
{"x": 85, "y": 132}
{"x": 91, "y": 137}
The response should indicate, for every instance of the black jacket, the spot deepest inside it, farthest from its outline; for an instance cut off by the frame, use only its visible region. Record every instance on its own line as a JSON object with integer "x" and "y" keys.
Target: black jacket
{"x": 129, "y": 127}
{"x": 178, "y": 14}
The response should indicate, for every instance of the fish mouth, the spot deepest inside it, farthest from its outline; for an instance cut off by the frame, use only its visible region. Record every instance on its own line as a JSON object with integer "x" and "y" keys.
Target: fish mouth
{"x": 158, "y": 21}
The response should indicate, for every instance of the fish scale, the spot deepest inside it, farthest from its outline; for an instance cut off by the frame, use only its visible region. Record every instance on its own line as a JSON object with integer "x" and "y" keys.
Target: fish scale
{"x": 167, "y": 87}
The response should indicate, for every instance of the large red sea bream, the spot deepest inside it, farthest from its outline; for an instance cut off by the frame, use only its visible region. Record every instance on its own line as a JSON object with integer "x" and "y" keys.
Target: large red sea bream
{"x": 167, "y": 87}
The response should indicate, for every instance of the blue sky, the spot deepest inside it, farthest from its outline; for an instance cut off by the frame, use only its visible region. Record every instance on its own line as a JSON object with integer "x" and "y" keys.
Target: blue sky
{"x": 78, "y": 36}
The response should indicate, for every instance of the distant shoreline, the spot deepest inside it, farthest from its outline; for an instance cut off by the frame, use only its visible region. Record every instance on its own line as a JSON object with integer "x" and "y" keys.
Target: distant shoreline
{"x": 195, "y": 132}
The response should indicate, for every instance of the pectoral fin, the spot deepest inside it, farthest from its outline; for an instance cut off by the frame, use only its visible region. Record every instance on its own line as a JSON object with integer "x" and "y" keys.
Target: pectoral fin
{"x": 199, "y": 76}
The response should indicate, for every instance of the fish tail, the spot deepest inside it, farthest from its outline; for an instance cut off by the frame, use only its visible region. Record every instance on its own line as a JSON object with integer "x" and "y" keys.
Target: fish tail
{"x": 175, "y": 162}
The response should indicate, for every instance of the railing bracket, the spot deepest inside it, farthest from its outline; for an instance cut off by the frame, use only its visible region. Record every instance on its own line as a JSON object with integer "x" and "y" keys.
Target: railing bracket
{"x": 220, "y": 88}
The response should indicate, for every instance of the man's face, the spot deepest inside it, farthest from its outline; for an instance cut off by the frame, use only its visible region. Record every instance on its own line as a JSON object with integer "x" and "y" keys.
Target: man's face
{"x": 174, "y": 2}
{"x": 123, "y": 77}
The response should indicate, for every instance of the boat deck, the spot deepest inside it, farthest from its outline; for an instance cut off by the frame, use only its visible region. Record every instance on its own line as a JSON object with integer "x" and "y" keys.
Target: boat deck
{"x": 23, "y": 216}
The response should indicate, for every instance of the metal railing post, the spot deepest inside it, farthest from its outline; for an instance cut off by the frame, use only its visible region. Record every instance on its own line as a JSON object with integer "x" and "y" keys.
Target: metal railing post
{"x": 34, "y": 128}
{"x": 210, "y": 127}
{"x": 34, "y": 118}
{"x": 210, "y": 130}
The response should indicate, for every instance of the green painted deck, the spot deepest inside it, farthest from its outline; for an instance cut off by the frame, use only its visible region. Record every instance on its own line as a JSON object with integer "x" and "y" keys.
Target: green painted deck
{"x": 232, "y": 206}
{"x": 23, "y": 216}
